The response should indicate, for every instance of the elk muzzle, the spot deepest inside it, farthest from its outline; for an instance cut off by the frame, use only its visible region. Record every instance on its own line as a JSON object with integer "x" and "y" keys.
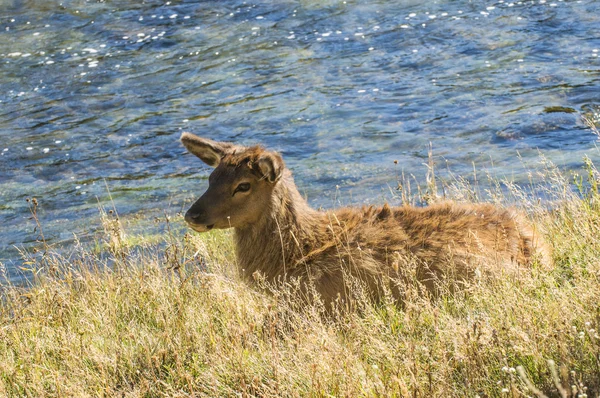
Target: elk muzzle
{"x": 196, "y": 219}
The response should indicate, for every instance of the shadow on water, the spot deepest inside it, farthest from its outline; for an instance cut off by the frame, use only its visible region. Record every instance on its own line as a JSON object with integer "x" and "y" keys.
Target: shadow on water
{"x": 100, "y": 91}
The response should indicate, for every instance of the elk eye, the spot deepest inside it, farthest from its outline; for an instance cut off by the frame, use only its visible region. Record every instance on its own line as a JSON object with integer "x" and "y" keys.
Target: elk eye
{"x": 243, "y": 187}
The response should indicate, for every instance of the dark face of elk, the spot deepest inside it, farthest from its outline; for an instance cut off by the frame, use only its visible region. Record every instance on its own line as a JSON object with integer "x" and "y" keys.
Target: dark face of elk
{"x": 240, "y": 188}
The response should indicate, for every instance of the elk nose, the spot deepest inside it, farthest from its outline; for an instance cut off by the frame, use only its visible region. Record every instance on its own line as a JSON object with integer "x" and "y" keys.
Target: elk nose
{"x": 193, "y": 217}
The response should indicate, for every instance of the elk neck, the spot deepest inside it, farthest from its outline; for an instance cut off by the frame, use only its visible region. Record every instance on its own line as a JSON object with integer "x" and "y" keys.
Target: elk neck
{"x": 282, "y": 236}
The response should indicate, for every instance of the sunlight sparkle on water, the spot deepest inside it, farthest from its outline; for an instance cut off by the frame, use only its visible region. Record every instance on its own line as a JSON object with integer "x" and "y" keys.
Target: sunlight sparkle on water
{"x": 374, "y": 56}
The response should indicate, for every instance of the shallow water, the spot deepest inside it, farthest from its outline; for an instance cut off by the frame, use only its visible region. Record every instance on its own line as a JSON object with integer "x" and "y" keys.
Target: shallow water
{"x": 94, "y": 94}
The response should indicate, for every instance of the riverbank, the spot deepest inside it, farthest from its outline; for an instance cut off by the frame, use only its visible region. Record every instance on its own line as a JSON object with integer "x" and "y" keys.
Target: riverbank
{"x": 168, "y": 317}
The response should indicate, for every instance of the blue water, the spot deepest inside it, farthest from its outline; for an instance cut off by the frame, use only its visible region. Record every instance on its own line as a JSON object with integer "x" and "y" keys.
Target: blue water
{"x": 96, "y": 94}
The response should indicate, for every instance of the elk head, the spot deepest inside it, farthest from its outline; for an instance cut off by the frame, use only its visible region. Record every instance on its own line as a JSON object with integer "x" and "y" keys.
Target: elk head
{"x": 240, "y": 187}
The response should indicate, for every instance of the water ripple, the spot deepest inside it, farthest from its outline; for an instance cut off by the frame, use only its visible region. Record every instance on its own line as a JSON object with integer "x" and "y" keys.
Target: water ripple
{"x": 97, "y": 94}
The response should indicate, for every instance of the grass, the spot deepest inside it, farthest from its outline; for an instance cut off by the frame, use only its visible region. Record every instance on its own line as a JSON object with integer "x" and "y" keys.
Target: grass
{"x": 141, "y": 319}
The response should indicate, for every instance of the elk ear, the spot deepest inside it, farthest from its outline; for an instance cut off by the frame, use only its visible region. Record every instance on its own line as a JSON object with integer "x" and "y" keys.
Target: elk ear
{"x": 209, "y": 151}
{"x": 271, "y": 166}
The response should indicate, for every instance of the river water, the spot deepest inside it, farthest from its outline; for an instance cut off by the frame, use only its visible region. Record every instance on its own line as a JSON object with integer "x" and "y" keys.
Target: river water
{"x": 94, "y": 96}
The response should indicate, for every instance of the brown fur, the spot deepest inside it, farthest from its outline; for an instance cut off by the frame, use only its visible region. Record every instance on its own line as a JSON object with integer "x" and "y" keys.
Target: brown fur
{"x": 279, "y": 236}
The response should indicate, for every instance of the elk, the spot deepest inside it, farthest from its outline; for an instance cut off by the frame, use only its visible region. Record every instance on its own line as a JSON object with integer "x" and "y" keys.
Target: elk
{"x": 279, "y": 236}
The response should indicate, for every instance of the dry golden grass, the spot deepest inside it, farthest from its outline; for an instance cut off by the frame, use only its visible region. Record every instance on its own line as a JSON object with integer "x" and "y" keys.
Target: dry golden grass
{"x": 141, "y": 319}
